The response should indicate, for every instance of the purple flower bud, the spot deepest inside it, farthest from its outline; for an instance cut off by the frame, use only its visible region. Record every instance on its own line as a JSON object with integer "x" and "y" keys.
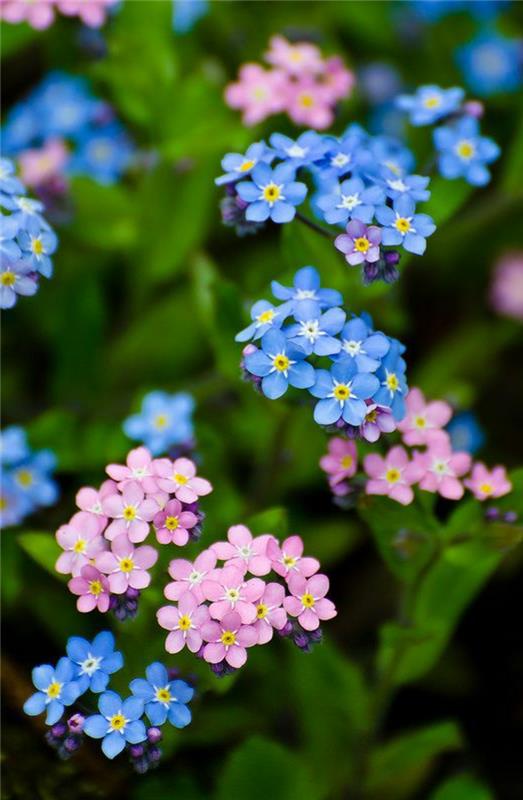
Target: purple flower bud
{"x": 154, "y": 735}
{"x": 391, "y": 257}
{"x": 510, "y": 517}
{"x": 72, "y": 744}
{"x": 370, "y": 272}
{"x": 474, "y": 108}
{"x": 155, "y": 754}
{"x": 173, "y": 673}
{"x": 492, "y": 514}
{"x": 132, "y": 594}
{"x": 286, "y": 630}
{"x": 76, "y": 723}
{"x": 249, "y": 349}
{"x": 136, "y": 750}
{"x": 301, "y": 640}
{"x": 59, "y": 729}
{"x": 141, "y": 765}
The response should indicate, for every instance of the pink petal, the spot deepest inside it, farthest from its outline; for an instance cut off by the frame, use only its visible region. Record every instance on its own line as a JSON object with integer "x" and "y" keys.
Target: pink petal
{"x": 461, "y": 463}
{"x": 264, "y": 631}
{"x": 185, "y": 467}
{"x": 236, "y": 656}
{"x": 193, "y": 640}
{"x": 247, "y": 611}
{"x": 220, "y": 609}
{"x": 180, "y": 568}
{"x": 113, "y": 505}
{"x": 451, "y": 488}
{"x": 106, "y": 562}
{"x": 373, "y": 465}
{"x": 145, "y": 557}
{"x": 205, "y": 561}
{"x": 239, "y": 535}
{"x": 297, "y": 584}
{"x": 187, "y": 603}
{"x": 118, "y": 472}
{"x": 325, "y": 609}
{"x": 273, "y": 594}
{"x": 167, "y": 617}
{"x": 186, "y": 494}
{"x": 137, "y": 531}
{"x": 64, "y": 563}
{"x": 66, "y": 537}
{"x": 259, "y": 565}
{"x": 121, "y": 546}
{"x": 86, "y": 603}
{"x": 214, "y": 652}
{"x": 278, "y": 618}
{"x": 133, "y": 494}
{"x": 148, "y": 509}
{"x": 231, "y": 621}
{"x": 247, "y": 636}
{"x": 439, "y": 413}
{"x": 139, "y": 458}
{"x": 397, "y": 457}
{"x": 116, "y": 528}
{"x": 86, "y": 498}
{"x": 309, "y": 620}
{"x": 223, "y": 550}
{"x": 163, "y": 467}
{"x": 253, "y": 589}
{"x": 402, "y": 494}
{"x": 318, "y": 586}
{"x": 308, "y": 566}
{"x": 175, "y": 642}
{"x": 211, "y": 590}
{"x": 180, "y": 537}
{"x": 293, "y": 606}
{"x": 174, "y": 590}
{"x": 211, "y": 631}
{"x": 118, "y": 583}
{"x": 139, "y": 579}
{"x": 78, "y": 586}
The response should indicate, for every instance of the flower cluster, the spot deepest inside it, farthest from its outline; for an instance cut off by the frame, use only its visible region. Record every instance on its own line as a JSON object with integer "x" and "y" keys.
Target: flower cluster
{"x": 437, "y": 467}
{"x": 102, "y": 542}
{"x": 164, "y": 422}
{"x": 27, "y": 241}
{"x": 61, "y": 129}
{"x": 300, "y": 83}
{"x": 462, "y": 152}
{"x": 41, "y": 14}
{"x": 223, "y": 610}
{"x": 26, "y": 482}
{"x": 361, "y": 392}
{"x": 363, "y": 184}
{"x": 120, "y": 724}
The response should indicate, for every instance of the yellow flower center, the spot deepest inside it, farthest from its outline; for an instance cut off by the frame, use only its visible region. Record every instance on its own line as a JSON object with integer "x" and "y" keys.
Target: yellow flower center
{"x": 126, "y": 565}
{"x": 171, "y": 523}
{"x": 53, "y": 690}
{"x": 163, "y": 695}
{"x": 346, "y": 462}
{"x": 3, "y": 503}
{"x": 37, "y": 247}
{"x": 361, "y": 244}
{"x": 306, "y": 100}
{"x": 160, "y": 421}
{"x": 228, "y": 638}
{"x": 247, "y": 165}
{"x": 296, "y": 56}
{"x": 392, "y": 382}
{"x": 420, "y": 422}
{"x": 465, "y": 149}
{"x": 95, "y": 587}
{"x": 266, "y": 316}
{"x": 261, "y": 611}
{"x": 181, "y": 479}
{"x": 79, "y": 546}
{"x": 372, "y": 416}
{"x": 184, "y": 623}
{"x": 402, "y": 224}
{"x": 281, "y": 363}
{"x": 271, "y": 192}
{"x": 486, "y": 488}
{"x": 129, "y": 513}
{"x": 392, "y": 475}
{"x": 233, "y": 595}
{"x": 7, "y": 278}
{"x": 117, "y": 722}
{"x": 432, "y": 102}
{"x": 341, "y": 392}
{"x": 24, "y": 478}
{"x": 289, "y": 561}
{"x": 259, "y": 93}
{"x": 307, "y": 600}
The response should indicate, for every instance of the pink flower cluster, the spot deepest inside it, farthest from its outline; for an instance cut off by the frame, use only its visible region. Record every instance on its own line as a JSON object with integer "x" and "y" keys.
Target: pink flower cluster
{"x": 300, "y": 83}
{"x": 436, "y": 468}
{"x": 45, "y": 164}
{"x": 99, "y": 542}
{"x": 223, "y": 610}
{"x": 40, "y": 14}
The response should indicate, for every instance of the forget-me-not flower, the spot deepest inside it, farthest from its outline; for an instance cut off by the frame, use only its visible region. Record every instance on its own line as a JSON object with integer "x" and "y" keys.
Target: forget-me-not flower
{"x": 393, "y": 385}
{"x": 94, "y": 661}
{"x": 239, "y": 165}
{"x": 56, "y": 689}
{"x": 351, "y": 199}
{"x": 431, "y": 103}
{"x": 306, "y": 149}
{"x": 264, "y": 316}
{"x": 164, "y": 699}
{"x": 279, "y": 363}
{"x": 164, "y": 421}
{"x": 342, "y": 391}
{"x": 37, "y": 244}
{"x": 317, "y": 333}
{"x": 492, "y": 64}
{"x": 401, "y": 225}
{"x": 118, "y": 723}
{"x": 463, "y": 153}
{"x": 360, "y": 343}
{"x": 306, "y": 289}
{"x": 272, "y": 193}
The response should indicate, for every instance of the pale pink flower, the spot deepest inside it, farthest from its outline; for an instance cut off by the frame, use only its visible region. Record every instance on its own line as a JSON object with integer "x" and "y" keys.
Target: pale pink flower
{"x": 269, "y": 612}
{"x": 442, "y": 469}
{"x": 337, "y": 79}
{"x": 506, "y": 291}
{"x": 173, "y": 524}
{"x": 42, "y": 164}
{"x": 229, "y": 591}
{"x": 38, "y": 15}
{"x": 485, "y": 483}
{"x": 244, "y": 551}
{"x": 308, "y": 103}
{"x": 91, "y": 12}
{"x": 341, "y": 461}
{"x": 188, "y": 575}
{"x": 423, "y": 421}
{"x": 139, "y": 468}
{"x": 92, "y": 588}
{"x": 179, "y": 477}
{"x": 130, "y": 511}
{"x": 393, "y": 475}
{"x": 90, "y": 499}
{"x": 81, "y": 541}
{"x": 308, "y": 601}
{"x": 288, "y": 559}
{"x": 126, "y": 566}
{"x": 296, "y": 59}
{"x": 258, "y": 93}
{"x": 227, "y": 640}
{"x": 184, "y": 623}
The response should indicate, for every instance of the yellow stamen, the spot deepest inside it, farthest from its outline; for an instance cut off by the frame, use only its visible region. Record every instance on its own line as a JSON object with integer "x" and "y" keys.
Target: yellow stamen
{"x": 261, "y": 611}
{"x": 184, "y": 623}
{"x": 307, "y": 600}
{"x": 7, "y": 278}
{"x": 392, "y": 475}
{"x": 171, "y": 523}
{"x": 271, "y": 192}
{"x": 341, "y": 392}
{"x": 346, "y": 462}
{"x": 126, "y": 565}
{"x": 392, "y": 382}
{"x": 129, "y": 513}
{"x": 53, "y": 690}
{"x": 95, "y": 587}
{"x": 402, "y": 224}
{"x": 117, "y": 722}
{"x": 361, "y": 244}
{"x": 228, "y": 638}
{"x": 163, "y": 695}
{"x": 486, "y": 488}
{"x": 266, "y": 316}
{"x": 247, "y": 165}
{"x": 281, "y": 363}
{"x": 79, "y": 546}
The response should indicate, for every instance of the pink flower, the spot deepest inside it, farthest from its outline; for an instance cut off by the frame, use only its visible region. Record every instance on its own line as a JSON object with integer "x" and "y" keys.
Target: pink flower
{"x": 89, "y": 499}
{"x": 337, "y": 79}
{"x": 393, "y": 475}
{"x": 92, "y": 588}
{"x": 184, "y": 623}
{"x": 42, "y": 164}
{"x": 442, "y": 469}
{"x": 423, "y": 421}
{"x": 228, "y": 591}
{"x": 258, "y": 93}
{"x": 296, "y": 59}
{"x": 81, "y": 540}
{"x": 173, "y": 524}
{"x": 308, "y": 104}
{"x": 188, "y": 576}
{"x": 91, "y": 12}
{"x": 341, "y": 461}
{"x": 244, "y": 551}
{"x": 227, "y": 640}
{"x": 125, "y": 565}
{"x": 131, "y": 513}
{"x": 506, "y": 291}
{"x": 39, "y": 15}
{"x": 269, "y": 613}
{"x": 288, "y": 559}
{"x": 179, "y": 477}
{"x": 139, "y": 469}
{"x": 308, "y": 601}
{"x": 486, "y": 484}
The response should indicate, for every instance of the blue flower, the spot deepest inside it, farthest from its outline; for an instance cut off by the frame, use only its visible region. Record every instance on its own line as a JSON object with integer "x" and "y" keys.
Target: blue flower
{"x": 165, "y": 420}
{"x": 9, "y": 183}
{"x": 403, "y": 226}
{"x": 361, "y": 344}
{"x": 342, "y": 391}
{"x": 117, "y": 723}
{"x": 393, "y": 386}
{"x": 431, "y": 103}
{"x": 238, "y": 165}
{"x": 315, "y": 333}
{"x": 15, "y": 279}
{"x": 463, "y": 153}
{"x": 14, "y": 505}
{"x": 20, "y": 129}
{"x": 347, "y": 154}
{"x": 186, "y": 14}
{"x": 33, "y": 479}
{"x": 9, "y": 227}
{"x": 413, "y": 186}
{"x": 24, "y": 209}
{"x": 272, "y": 193}
{"x": 306, "y": 290}
{"x": 387, "y": 151}
{"x": 491, "y": 64}
{"x": 94, "y": 661}
{"x": 306, "y": 149}
{"x": 279, "y": 363}
{"x": 264, "y": 317}
{"x": 13, "y": 445}
{"x": 102, "y": 153}
{"x": 56, "y": 689}
{"x": 465, "y": 433}
{"x": 351, "y": 200}
{"x": 63, "y": 105}
{"x": 37, "y": 243}
{"x": 164, "y": 699}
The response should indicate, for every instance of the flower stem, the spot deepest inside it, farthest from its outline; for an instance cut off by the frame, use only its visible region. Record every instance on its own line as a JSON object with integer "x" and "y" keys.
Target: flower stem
{"x": 314, "y": 226}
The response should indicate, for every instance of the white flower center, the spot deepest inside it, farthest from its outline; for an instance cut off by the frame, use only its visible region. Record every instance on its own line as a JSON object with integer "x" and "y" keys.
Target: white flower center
{"x": 352, "y": 347}
{"x": 195, "y": 577}
{"x": 311, "y": 330}
{"x": 340, "y": 160}
{"x": 349, "y": 201}
{"x": 296, "y": 151}
{"x": 398, "y": 185}
{"x": 90, "y": 665}
{"x": 305, "y": 294}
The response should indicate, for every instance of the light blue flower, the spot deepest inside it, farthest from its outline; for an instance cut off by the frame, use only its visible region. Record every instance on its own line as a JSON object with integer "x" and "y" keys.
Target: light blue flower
{"x": 14, "y": 505}
{"x": 33, "y": 478}
{"x": 491, "y": 64}
{"x": 164, "y": 421}
{"x": 63, "y": 105}
{"x": 164, "y": 699}
{"x": 9, "y": 228}
{"x": 13, "y": 445}
{"x": 15, "y": 279}
{"x": 390, "y": 152}
{"x": 361, "y": 344}
{"x": 463, "y": 153}
{"x": 342, "y": 391}
{"x": 306, "y": 289}
{"x": 56, "y": 689}
{"x": 466, "y": 434}
{"x": 37, "y": 244}
{"x": 280, "y": 364}
{"x": 272, "y": 193}
{"x": 9, "y": 183}
{"x": 264, "y": 316}
{"x": 238, "y": 165}
{"x": 306, "y": 149}
{"x": 23, "y": 209}
{"x": 347, "y": 154}
{"x": 94, "y": 661}
{"x": 316, "y": 333}
{"x": 103, "y": 153}
{"x": 402, "y": 226}
{"x": 392, "y": 383}
{"x": 351, "y": 199}
{"x": 431, "y": 103}
{"x": 118, "y": 723}
{"x": 413, "y": 186}
{"x": 186, "y": 14}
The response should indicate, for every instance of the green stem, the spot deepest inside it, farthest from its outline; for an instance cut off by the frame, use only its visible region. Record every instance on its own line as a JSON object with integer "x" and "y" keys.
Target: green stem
{"x": 314, "y": 226}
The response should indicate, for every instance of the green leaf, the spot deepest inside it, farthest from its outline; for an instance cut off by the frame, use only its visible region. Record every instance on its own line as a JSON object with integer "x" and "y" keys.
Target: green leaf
{"x": 273, "y": 520}
{"x": 446, "y": 197}
{"x": 43, "y": 548}
{"x": 399, "y": 767}
{"x": 261, "y": 769}
{"x": 104, "y": 215}
{"x": 463, "y": 787}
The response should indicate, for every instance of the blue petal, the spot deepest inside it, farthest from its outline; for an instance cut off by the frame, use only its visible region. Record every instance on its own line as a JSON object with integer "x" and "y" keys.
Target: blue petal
{"x": 274, "y": 341}
{"x": 295, "y": 192}
{"x": 43, "y": 676}
{"x": 64, "y": 670}
{"x": 55, "y": 709}
{"x": 135, "y": 732}
{"x": 258, "y": 211}
{"x": 391, "y": 236}
{"x": 141, "y": 688}
{"x": 110, "y": 704}
{"x": 77, "y": 648}
{"x": 248, "y": 191}
{"x": 99, "y": 681}
{"x": 96, "y": 726}
{"x": 243, "y": 336}
{"x": 112, "y": 663}
{"x": 354, "y": 412}
{"x": 274, "y": 385}
{"x": 364, "y": 385}
{"x": 281, "y": 292}
{"x": 156, "y": 712}
{"x": 333, "y": 320}
{"x": 179, "y": 715}
{"x": 307, "y": 278}
{"x": 284, "y": 173}
{"x": 258, "y": 363}
{"x": 302, "y": 375}
{"x": 327, "y": 346}
{"x": 326, "y": 412}
{"x": 323, "y": 384}
{"x": 330, "y": 297}
{"x": 132, "y": 707}
{"x": 157, "y": 674}
{"x": 414, "y": 243}
{"x": 182, "y": 691}
{"x": 113, "y": 744}
{"x": 70, "y": 692}
{"x": 282, "y": 212}
{"x": 344, "y": 370}
{"x": 377, "y": 345}
{"x": 355, "y": 329}
{"x": 103, "y": 644}
{"x": 35, "y": 704}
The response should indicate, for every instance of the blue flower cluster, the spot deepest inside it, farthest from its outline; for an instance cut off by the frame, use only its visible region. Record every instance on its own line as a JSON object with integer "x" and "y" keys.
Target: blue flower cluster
{"x": 462, "y": 151}
{"x": 26, "y": 477}
{"x": 63, "y": 106}
{"x": 88, "y": 666}
{"x": 359, "y": 371}
{"x": 357, "y": 177}
{"x": 491, "y": 64}
{"x": 27, "y": 241}
{"x": 164, "y": 422}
